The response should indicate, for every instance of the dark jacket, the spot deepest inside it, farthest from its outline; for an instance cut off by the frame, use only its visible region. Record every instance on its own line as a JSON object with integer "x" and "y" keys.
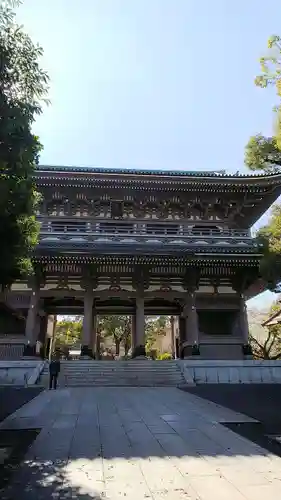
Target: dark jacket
{"x": 54, "y": 367}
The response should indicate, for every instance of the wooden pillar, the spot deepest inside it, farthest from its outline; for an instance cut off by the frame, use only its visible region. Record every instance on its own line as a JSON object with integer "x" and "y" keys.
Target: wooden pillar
{"x": 192, "y": 327}
{"x": 189, "y": 339}
{"x": 140, "y": 322}
{"x": 243, "y": 320}
{"x": 87, "y": 323}
{"x": 31, "y": 322}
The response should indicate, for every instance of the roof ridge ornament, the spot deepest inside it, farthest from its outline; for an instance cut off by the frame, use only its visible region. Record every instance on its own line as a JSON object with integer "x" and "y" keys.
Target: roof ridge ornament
{"x": 221, "y": 174}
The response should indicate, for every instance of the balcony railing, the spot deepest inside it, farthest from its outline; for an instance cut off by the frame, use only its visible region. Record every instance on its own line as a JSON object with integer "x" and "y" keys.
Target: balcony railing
{"x": 112, "y": 228}
{"x": 92, "y": 232}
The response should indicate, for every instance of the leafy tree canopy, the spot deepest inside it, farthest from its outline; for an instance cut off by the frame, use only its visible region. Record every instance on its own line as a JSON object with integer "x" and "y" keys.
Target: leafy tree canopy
{"x": 155, "y": 326}
{"x": 264, "y": 153}
{"x": 118, "y": 327}
{"x": 23, "y": 88}
{"x": 68, "y": 331}
{"x": 270, "y": 237}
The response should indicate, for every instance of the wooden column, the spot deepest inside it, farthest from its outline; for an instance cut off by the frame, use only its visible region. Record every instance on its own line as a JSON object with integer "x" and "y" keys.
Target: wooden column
{"x": 31, "y": 321}
{"x": 189, "y": 328}
{"x": 87, "y": 323}
{"x": 140, "y": 323}
{"x": 239, "y": 284}
{"x": 192, "y": 327}
{"x": 243, "y": 320}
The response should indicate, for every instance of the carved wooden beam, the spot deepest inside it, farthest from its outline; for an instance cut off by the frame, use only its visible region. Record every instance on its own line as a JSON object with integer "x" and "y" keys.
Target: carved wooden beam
{"x": 141, "y": 278}
{"x": 191, "y": 279}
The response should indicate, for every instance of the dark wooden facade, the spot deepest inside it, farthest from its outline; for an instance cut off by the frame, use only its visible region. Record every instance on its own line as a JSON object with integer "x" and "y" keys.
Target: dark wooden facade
{"x": 162, "y": 236}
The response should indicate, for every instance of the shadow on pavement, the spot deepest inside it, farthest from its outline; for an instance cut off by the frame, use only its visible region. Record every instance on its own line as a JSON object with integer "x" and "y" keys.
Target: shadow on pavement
{"x": 12, "y": 398}
{"x": 46, "y": 481}
{"x": 91, "y": 437}
{"x": 259, "y": 401}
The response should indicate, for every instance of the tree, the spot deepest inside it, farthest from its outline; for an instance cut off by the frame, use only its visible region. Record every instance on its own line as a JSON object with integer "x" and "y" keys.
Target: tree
{"x": 155, "y": 326}
{"x": 118, "y": 327}
{"x": 269, "y": 237}
{"x": 68, "y": 332}
{"x": 268, "y": 344}
{"x": 264, "y": 153}
{"x": 23, "y": 88}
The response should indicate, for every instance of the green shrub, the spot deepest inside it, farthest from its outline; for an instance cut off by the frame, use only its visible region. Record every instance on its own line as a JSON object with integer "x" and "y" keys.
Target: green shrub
{"x": 152, "y": 353}
{"x": 165, "y": 355}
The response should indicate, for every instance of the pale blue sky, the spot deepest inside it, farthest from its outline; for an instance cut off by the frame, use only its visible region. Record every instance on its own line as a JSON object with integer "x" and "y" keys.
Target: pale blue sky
{"x": 152, "y": 83}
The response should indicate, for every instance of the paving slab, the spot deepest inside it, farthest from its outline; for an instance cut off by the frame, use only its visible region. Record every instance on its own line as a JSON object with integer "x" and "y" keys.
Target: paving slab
{"x": 137, "y": 443}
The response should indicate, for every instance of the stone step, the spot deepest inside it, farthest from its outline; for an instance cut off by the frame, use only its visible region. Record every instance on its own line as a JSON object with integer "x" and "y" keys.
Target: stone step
{"x": 117, "y": 373}
{"x": 117, "y": 363}
{"x": 93, "y": 379}
{"x": 105, "y": 372}
{"x": 118, "y": 369}
{"x": 115, "y": 379}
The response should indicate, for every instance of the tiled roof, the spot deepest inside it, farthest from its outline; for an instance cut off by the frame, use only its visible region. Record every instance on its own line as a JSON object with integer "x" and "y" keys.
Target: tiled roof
{"x": 131, "y": 171}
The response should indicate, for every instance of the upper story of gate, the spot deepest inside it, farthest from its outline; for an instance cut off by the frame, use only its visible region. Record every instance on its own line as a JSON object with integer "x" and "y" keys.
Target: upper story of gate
{"x": 150, "y": 204}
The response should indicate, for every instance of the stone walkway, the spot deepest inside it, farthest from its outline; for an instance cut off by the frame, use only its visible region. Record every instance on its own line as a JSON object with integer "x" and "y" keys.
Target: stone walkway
{"x": 138, "y": 443}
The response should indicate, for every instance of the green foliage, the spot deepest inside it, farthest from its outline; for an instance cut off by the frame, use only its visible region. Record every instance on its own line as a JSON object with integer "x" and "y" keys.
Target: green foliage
{"x": 154, "y": 327}
{"x": 164, "y": 356}
{"x": 263, "y": 153}
{"x": 23, "y": 87}
{"x": 68, "y": 332}
{"x": 270, "y": 238}
{"x": 118, "y": 327}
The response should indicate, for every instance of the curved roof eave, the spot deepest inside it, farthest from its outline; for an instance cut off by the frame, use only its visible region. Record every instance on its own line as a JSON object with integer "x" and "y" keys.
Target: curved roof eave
{"x": 188, "y": 174}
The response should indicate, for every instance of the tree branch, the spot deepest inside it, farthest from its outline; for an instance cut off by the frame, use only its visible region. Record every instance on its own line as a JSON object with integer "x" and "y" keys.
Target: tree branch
{"x": 276, "y": 356}
{"x": 274, "y": 162}
{"x": 272, "y": 343}
{"x": 253, "y": 339}
{"x": 268, "y": 338}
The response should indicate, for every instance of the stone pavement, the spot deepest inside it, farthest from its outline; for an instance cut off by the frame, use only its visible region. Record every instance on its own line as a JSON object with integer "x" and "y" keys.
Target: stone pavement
{"x": 138, "y": 443}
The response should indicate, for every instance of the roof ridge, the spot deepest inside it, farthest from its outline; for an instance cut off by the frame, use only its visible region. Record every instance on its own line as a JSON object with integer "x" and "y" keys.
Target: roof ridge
{"x": 173, "y": 173}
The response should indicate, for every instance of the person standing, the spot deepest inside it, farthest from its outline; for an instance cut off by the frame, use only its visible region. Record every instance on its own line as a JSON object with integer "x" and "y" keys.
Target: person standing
{"x": 54, "y": 370}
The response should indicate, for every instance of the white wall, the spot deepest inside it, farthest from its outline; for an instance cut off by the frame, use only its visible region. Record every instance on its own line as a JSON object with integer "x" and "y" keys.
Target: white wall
{"x": 231, "y": 372}
{"x": 20, "y": 373}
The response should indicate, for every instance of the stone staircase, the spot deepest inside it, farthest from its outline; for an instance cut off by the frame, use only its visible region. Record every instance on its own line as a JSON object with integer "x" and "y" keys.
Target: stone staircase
{"x": 132, "y": 373}
{"x": 11, "y": 351}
